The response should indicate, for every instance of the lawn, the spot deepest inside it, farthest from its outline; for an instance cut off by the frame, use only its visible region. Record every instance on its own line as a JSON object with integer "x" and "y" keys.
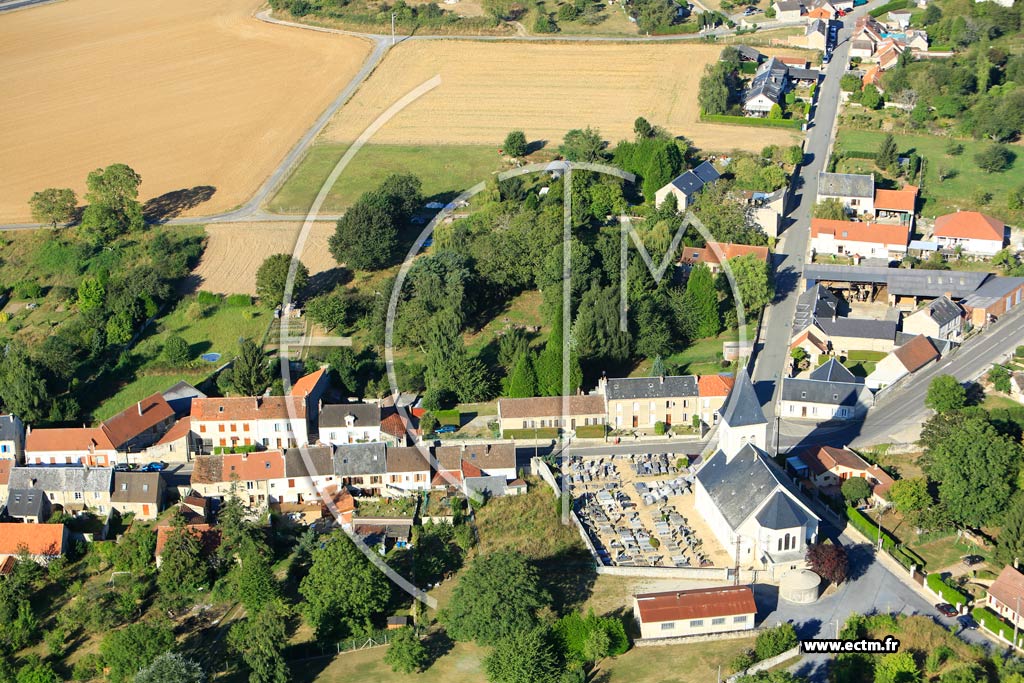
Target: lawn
{"x": 995, "y": 401}
{"x": 945, "y": 551}
{"x": 702, "y": 357}
{"x": 445, "y": 171}
{"x": 953, "y": 193}
{"x": 219, "y": 331}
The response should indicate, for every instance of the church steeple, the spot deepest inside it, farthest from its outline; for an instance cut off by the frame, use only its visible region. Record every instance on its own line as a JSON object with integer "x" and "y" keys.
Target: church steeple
{"x": 743, "y": 421}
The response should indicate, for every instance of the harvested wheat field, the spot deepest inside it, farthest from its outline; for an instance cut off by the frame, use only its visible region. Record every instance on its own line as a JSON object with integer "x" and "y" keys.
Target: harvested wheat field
{"x": 545, "y": 89}
{"x": 190, "y": 93}
{"x": 226, "y": 268}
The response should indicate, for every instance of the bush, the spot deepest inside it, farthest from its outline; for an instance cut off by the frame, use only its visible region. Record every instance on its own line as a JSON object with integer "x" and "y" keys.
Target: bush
{"x": 741, "y": 661}
{"x": 1019, "y": 352}
{"x": 176, "y": 350}
{"x": 659, "y": 428}
{"x": 775, "y": 641}
{"x": 239, "y": 301}
{"x": 752, "y": 121}
{"x": 948, "y": 593}
{"x": 888, "y": 7}
{"x": 208, "y": 298}
{"x": 28, "y": 289}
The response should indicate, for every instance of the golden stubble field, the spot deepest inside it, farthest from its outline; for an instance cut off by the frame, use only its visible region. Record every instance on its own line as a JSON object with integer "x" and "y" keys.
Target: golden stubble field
{"x": 545, "y": 89}
{"x": 235, "y": 251}
{"x": 188, "y": 92}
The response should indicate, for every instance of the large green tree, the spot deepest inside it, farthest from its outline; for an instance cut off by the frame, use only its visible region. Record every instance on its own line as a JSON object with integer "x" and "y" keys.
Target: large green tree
{"x": 515, "y": 144}
{"x": 754, "y": 282}
{"x": 53, "y": 205}
{"x": 898, "y": 667}
{"x": 524, "y": 656}
{"x": 171, "y": 668}
{"x": 114, "y": 208}
{"x": 250, "y": 371}
{"x": 497, "y": 597}
{"x": 713, "y": 91}
{"x": 945, "y": 394}
{"x": 272, "y": 280}
{"x": 22, "y": 385}
{"x": 343, "y": 591}
{"x": 366, "y": 237}
{"x": 522, "y": 382}
{"x": 133, "y": 648}
{"x": 700, "y": 304}
{"x": 596, "y": 331}
{"x": 584, "y": 144}
{"x": 831, "y": 209}
{"x": 183, "y": 569}
{"x": 1010, "y": 540}
{"x": 259, "y": 639}
{"x": 406, "y": 652}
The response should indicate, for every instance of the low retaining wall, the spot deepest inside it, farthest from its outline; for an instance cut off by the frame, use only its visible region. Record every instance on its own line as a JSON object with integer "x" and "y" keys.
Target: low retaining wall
{"x": 766, "y": 664}
{"x": 687, "y": 640}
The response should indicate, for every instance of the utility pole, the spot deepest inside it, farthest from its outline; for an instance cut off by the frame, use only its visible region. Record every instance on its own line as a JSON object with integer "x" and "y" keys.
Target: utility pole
{"x": 1016, "y": 620}
{"x": 778, "y": 423}
{"x": 392, "y": 29}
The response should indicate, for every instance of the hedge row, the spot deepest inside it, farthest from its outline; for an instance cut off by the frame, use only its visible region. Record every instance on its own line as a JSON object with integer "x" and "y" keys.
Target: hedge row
{"x": 540, "y": 433}
{"x": 993, "y": 622}
{"x": 860, "y": 154}
{"x": 888, "y": 7}
{"x": 950, "y": 594}
{"x": 591, "y": 431}
{"x": 753, "y": 121}
{"x": 904, "y": 556}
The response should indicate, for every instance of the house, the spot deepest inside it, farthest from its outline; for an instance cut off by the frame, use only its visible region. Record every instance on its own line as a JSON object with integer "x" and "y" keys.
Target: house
{"x": 770, "y": 83}
{"x": 694, "y": 612}
{"x": 207, "y": 535}
{"x": 42, "y": 542}
{"x": 139, "y": 493}
{"x": 28, "y": 505}
{"x": 859, "y": 240}
{"x": 868, "y": 32}
{"x": 361, "y": 466}
{"x": 71, "y": 488}
{"x": 5, "y": 475}
{"x": 350, "y": 423}
{"x": 854, "y": 191}
{"x": 396, "y": 430}
{"x": 180, "y": 397}
{"x": 139, "y": 426}
{"x": 905, "y": 288}
{"x": 1006, "y": 596}
{"x": 715, "y": 253}
{"x": 247, "y": 476}
{"x": 642, "y": 402}
{"x": 975, "y": 233}
{"x": 902, "y": 361}
{"x": 888, "y": 52}
{"x": 765, "y": 210}
{"x": 818, "y": 325}
{"x": 746, "y": 500}
{"x": 941, "y": 318}
{"x": 713, "y": 390}
{"x": 993, "y": 298}
{"x": 896, "y": 205}
{"x": 831, "y": 392}
{"x": 69, "y": 446}
{"x": 457, "y": 463}
{"x": 308, "y": 472}
{"x": 268, "y": 421}
{"x": 916, "y": 39}
{"x": 901, "y": 18}
{"x": 749, "y": 54}
{"x": 788, "y": 10}
{"x": 1016, "y": 389}
{"x": 872, "y": 76}
{"x": 408, "y": 469}
{"x": 816, "y": 34}
{"x": 384, "y": 533}
{"x": 550, "y": 412}
{"x": 687, "y": 185}
{"x": 311, "y": 389}
{"x": 177, "y": 445}
{"x": 12, "y": 438}
{"x": 825, "y": 11}
{"x": 829, "y": 467}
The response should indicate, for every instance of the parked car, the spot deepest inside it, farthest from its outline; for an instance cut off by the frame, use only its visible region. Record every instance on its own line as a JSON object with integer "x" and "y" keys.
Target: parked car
{"x": 124, "y": 467}
{"x": 446, "y": 429}
{"x": 153, "y": 467}
{"x": 967, "y": 622}
{"x": 971, "y": 560}
{"x": 946, "y": 609}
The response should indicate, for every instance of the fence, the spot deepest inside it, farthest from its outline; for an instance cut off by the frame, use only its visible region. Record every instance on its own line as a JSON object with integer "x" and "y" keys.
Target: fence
{"x": 314, "y": 649}
{"x": 766, "y": 664}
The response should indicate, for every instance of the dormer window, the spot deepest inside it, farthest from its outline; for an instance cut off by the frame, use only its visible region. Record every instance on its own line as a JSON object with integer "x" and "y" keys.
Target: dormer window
{"x": 124, "y": 487}
{"x": 145, "y": 488}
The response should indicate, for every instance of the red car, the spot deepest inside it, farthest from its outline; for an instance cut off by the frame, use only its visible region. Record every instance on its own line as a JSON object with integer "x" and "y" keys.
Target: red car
{"x": 946, "y": 609}
{"x": 841, "y": 13}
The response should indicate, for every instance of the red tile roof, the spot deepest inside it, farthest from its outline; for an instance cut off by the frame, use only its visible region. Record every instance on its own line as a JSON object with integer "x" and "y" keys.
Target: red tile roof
{"x": 179, "y": 430}
{"x": 305, "y": 385}
{"x": 253, "y": 466}
{"x": 143, "y": 416}
{"x": 716, "y": 252}
{"x": 969, "y": 224}
{"x": 38, "y": 539}
{"x": 1007, "y": 587}
{"x": 885, "y": 482}
{"x": 5, "y": 471}
{"x": 704, "y": 603}
{"x": 209, "y": 537}
{"x": 393, "y": 424}
{"x": 853, "y": 231}
{"x": 896, "y": 200}
{"x": 248, "y": 408}
{"x": 871, "y": 77}
{"x": 822, "y": 459}
{"x": 807, "y": 336}
{"x": 68, "y": 439}
{"x": 714, "y": 385}
{"x": 916, "y": 353}
{"x": 550, "y": 406}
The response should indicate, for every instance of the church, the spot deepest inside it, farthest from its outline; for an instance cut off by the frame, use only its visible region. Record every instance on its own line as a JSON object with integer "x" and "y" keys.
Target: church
{"x": 746, "y": 499}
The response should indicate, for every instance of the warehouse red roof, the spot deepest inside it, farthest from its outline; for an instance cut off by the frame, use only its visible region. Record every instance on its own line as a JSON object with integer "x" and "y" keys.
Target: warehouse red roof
{"x": 695, "y": 604}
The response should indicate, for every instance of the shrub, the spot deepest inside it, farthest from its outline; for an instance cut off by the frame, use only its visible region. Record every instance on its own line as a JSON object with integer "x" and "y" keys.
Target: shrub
{"x": 775, "y": 641}
{"x": 659, "y": 428}
{"x": 990, "y": 620}
{"x": 208, "y": 298}
{"x": 28, "y": 289}
{"x": 948, "y": 593}
{"x": 176, "y": 350}
{"x": 239, "y": 301}
{"x": 937, "y": 657}
{"x": 741, "y": 661}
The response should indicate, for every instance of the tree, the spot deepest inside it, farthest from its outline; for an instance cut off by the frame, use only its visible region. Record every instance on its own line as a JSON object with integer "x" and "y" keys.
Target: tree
{"x": 888, "y": 153}
{"x": 113, "y": 207}
{"x": 36, "y": 671}
{"x": 343, "y": 590}
{"x": 250, "y": 371}
{"x": 255, "y": 583}
{"x": 753, "y": 280}
{"x": 700, "y": 304}
{"x": 1010, "y": 541}
{"x": 828, "y": 560}
{"x": 642, "y": 128}
{"x": 330, "y": 311}
{"x": 994, "y": 158}
{"x": 831, "y": 209}
{"x": 524, "y": 656}
{"x": 1000, "y": 378}
{"x": 713, "y": 90}
{"x": 975, "y": 467}
{"x": 22, "y": 385}
{"x": 871, "y": 98}
{"x": 596, "y": 330}
{"x": 898, "y": 667}
{"x": 367, "y": 235}
{"x": 406, "y": 653}
{"x": 176, "y": 350}
{"x": 522, "y": 382}
{"x": 775, "y": 113}
{"x": 272, "y": 279}
{"x": 855, "y": 489}
{"x": 134, "y": 647}
{"x": 775, "y": 641}
{"x": 498, "y": 596}
{"x": 1015, "y": 199}
{"x": 945, "y": 394}
{"x": 583, "y": 145}
{"x": 259, "y": 639}
{"x": 183, "y": 569}
{"x": 171, "y": 668}
{"x": 515, "y": 144}
{"x": 910, "y": 495}
{"x": 53, "y": 205}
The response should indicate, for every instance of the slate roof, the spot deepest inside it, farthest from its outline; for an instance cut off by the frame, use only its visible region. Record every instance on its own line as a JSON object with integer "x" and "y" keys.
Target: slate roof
{"x": 23, "y": 503}
{"x": 834, "y": 371}
{"x": 816, "y": 26}
{"x": 943, "y": 311}
{"x": 365, "y": 414}
{"x": 780, "y": 512}
{"x": 549, "y": 406}
{"x": 320, "y": 458}
{"x": 356, "y": 459}
{"x": 992, "y": 291}
{"x": 748, "y": 53}
{"x": 819, "y": 391}
{"x": 9, "y": 429}
{"x": 845, "y": 185}
{"x": 901, "y": 281}
{"x": 815, "y": 303}
{"x": 136, "y": 487}
{"x": 633, "y": 388}
{"x": 769, "y": 80}
{"x": 700, "y": 603}
{"x": 694, "y": 180}
{"x": 182, "y": 390}
{"x": 742, "y": 407}
{"x": 85, "y": 479}
{"x": 493, "y": 487}
{"x": 739, "y": 485}
{"x": 859, "y": 328}
{"x": 788, "y": 5}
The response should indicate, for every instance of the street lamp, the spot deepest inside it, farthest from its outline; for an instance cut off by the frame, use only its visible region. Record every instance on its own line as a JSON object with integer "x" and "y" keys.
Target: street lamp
{"x": 393, "y": 15}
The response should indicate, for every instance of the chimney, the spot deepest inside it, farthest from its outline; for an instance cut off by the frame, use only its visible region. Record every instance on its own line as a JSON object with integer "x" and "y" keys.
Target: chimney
{"x": 140, "y": 408}
{"x": 661, "y": 379}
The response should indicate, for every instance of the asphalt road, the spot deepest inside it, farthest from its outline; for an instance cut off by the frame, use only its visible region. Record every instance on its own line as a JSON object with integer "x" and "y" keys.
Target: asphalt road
{"x": 21, "y": 4}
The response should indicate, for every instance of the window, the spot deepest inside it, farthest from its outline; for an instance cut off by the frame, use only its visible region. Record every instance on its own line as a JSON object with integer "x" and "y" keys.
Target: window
{"x": 266, "y": 442}
{"x": 740, "y": 619}
{"x": 803, "y": 394}
{"x": 668, "y": 626}
{"x": 718, "y": 621}
{"x": 250, "y": 485}
{"x": 145, "y": 488}
{"x": 277, "y": 427}
{"x": 202, "y": 429}
{"x": 220, "y": 427}
{"x": 78, "y": 495}
{"x": 245, "y": 427}
{"x": 291, "y": 483}
{"x": 835, "y": 397}
{"x": 696, "y": 623}
{"x": 234, "y": 427}
{"x": 124, "y": 487}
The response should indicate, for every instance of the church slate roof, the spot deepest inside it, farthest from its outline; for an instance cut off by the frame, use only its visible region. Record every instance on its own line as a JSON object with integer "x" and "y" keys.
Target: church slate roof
{"x": 742, "y": 408}
{"x": 780, "y": 512}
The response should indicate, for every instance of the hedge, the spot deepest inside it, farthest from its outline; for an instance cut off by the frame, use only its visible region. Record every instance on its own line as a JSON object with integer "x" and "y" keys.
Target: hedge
{"x": 752, "y": 121}
{"x": 993, "y": 622}
{"x": 860, "y": 154}
{"x": 950, "y": 594}
{"x": 539, "y": 433}
{"x": 905, "y": 556}
{"x": 888, "y": 7}
{"x": 591, "y": 431}
{"x": 448, "y": 417}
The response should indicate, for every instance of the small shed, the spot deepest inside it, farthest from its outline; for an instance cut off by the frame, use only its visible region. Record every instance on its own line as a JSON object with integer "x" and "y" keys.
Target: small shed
{"x": 399, "y": 621}
{"x": 800, "y": 586}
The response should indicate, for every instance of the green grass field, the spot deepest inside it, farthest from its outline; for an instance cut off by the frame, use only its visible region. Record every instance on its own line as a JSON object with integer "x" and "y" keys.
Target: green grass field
{"x": 950, "y": 194}
{"x": 445, "y": 171}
